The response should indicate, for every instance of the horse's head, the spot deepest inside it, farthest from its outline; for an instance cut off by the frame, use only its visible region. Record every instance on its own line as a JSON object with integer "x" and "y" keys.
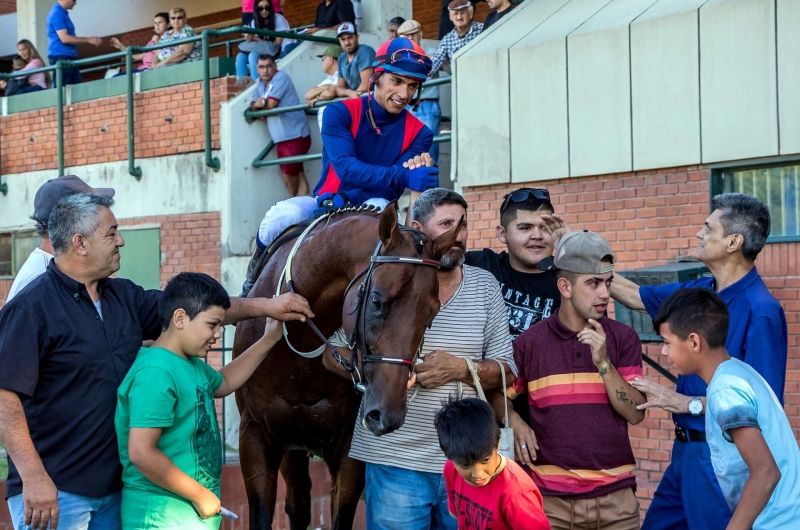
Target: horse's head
{"x": 400, "y": 303}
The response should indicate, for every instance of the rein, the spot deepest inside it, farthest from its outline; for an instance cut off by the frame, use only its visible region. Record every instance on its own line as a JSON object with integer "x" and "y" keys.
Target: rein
{"x": 357, "y": 338}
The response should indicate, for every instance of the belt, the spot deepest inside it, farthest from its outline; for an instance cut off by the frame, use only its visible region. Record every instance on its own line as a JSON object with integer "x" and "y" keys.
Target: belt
{"x": 429, "y": 99}
{"x": 689, "y": 435}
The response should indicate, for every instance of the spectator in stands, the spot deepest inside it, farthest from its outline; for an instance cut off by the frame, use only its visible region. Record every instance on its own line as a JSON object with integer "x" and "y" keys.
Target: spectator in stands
{"x": 464, "y": 30}
{"x": 445, "y": 21}
{"x": 66, "y": 343}
{"x": 290, "y": 130}
{"x": 179, "y": 53}
{"x": 394, "y": 23}
{"x": 47, "y": 196}
{"x": 255, "y": 46}
{"x": 355, "y": 63}
{"x": 247, "y": 12}
{"x": 160, "y": 26}
{"x": 62, "y": 44}
{"x": 30, "y": 60}
{"x": 469, "y": 334}
{"x": 575, "y": 367}
{"x": 18, "y": 85}
{"x": 331, "y": 14}
{"x": 531, "y": 295}
{"x": 500, "y": 8}
{"x": 327, "y": 89}
{"x": 731, "y": 239}
{"x": 428, "y": 110}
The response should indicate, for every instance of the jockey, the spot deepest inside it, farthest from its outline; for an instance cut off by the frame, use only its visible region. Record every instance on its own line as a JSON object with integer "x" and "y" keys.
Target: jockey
{"x": 365, "y": 143}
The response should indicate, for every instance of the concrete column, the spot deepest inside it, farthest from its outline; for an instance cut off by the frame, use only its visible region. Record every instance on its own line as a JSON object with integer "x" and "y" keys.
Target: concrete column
{"x": 377, "y": 13}
{"x": 32, "y": 22}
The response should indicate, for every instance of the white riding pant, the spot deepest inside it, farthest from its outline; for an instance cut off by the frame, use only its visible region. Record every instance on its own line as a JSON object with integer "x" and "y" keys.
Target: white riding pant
{"x": 286, "y": 213}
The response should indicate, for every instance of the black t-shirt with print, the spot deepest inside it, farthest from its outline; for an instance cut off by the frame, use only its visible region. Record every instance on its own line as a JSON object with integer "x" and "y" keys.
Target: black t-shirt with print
{"x": 529, "y": 297}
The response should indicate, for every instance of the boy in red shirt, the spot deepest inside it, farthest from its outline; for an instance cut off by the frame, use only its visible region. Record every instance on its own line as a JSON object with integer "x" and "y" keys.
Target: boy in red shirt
{"x": 484, "y": 489}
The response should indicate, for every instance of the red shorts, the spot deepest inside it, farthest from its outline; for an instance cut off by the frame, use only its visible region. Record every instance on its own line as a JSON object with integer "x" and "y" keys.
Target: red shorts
{"x": 293, "y": 147}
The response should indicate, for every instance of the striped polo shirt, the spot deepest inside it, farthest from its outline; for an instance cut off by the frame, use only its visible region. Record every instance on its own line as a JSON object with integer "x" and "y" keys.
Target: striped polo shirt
{"x": 584, "y": 449}
{"x": 472, "y": 324}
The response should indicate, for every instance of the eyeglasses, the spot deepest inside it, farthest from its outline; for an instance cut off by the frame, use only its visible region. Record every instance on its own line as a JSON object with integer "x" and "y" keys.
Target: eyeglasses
{"x": 263, "y": 8}
{"x": 176, "y": 18}
{"x": 523, "y": 195}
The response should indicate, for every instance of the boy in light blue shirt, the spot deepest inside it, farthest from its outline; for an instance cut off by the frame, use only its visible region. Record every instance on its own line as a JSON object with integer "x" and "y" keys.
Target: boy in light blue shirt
{"x": 753, "y": 451}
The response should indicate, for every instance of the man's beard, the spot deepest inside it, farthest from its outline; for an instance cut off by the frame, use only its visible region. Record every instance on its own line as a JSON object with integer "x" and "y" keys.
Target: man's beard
{"x": 453, "y": 259}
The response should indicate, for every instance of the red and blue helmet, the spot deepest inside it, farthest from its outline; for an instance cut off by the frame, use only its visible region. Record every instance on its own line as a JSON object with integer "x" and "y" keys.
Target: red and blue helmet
{"x": 401, "y": 56}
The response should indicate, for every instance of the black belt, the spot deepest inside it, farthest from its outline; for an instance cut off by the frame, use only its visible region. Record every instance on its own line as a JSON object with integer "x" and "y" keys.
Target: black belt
{"x": 689, "y": 435}
{"x": 429, "y": 99}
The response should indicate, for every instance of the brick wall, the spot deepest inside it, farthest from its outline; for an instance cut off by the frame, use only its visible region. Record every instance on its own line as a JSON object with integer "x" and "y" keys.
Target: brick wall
{"x": 29, "y": 142}
{"x": 8, "y": 6}
{"x": 650, "y": 218}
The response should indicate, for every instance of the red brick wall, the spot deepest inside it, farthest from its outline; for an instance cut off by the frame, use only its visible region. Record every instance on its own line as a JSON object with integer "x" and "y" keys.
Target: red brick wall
{"x": 8, "y": 6}
{"x": 28, "y": 140}
{"x": 649, "y": 218}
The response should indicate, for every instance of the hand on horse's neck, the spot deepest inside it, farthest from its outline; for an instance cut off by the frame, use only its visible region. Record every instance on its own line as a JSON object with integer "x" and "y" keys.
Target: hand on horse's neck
{"x": 448, "y": 283}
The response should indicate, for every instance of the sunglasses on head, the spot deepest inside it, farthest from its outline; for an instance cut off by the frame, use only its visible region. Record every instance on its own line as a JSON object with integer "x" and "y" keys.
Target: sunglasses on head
{"x": 523, "y": 195}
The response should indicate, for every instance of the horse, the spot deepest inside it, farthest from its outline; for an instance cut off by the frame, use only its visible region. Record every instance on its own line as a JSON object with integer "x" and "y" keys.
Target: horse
{"x": 292, "y": 405}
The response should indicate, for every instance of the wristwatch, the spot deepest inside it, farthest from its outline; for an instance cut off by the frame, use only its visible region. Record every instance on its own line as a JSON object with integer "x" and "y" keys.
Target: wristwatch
{"x": 695, "y": 406}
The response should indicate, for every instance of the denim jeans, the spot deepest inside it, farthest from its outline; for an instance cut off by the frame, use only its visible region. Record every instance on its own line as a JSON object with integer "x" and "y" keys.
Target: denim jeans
{"x": 76, "y": 512}
{"x": 71, "y": 76}
{"x": 430, "y": 113}
{"x": 245, "y": 60}
{"x": 401, "y": 499}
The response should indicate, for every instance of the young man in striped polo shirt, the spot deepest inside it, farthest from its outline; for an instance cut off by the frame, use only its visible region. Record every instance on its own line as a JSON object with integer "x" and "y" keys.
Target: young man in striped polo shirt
{"x": 404, "y": 482}
{"x": 576, "y": 366}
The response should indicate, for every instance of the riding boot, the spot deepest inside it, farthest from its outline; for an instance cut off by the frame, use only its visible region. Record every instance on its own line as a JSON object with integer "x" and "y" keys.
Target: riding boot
{"x": 253, "y": 268}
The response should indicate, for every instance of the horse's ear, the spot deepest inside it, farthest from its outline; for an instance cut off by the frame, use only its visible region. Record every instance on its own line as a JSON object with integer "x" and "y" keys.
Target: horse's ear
{"x": 443, "y": 243}
{"x": 388, "y": 228}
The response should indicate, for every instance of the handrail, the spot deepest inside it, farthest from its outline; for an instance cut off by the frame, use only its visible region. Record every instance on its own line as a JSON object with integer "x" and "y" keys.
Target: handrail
{"x": 252, "y": 115}
{"x": 315, "y": 156}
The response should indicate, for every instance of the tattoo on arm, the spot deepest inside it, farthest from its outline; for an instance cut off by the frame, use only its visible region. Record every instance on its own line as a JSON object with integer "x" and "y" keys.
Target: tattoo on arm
{"x": 623, "y": 397}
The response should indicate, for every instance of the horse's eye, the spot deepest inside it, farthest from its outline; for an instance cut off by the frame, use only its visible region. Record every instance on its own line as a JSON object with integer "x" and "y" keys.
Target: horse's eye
{"x": 375, "y": 302}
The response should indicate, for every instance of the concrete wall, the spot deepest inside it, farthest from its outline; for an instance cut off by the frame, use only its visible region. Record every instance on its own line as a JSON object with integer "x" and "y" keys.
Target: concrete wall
{"x": 566, "y": 88}
{"x": 8, "y": 34}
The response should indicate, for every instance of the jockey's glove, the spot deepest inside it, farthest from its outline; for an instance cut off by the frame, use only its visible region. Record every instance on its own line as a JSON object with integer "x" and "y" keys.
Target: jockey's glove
{"x": 423, "y": 178}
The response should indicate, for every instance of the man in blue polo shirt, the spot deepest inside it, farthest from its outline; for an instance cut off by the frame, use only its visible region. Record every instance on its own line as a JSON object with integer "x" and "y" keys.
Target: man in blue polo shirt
{"x": 62, "y": 44}
{"x": 734, "y": 234}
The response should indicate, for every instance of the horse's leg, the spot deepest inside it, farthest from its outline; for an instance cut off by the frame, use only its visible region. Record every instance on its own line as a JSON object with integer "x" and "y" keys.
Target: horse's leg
{"x": 347, "y": 478}
{"x": 294, "y": 469}
{"x": 260, "y": 460}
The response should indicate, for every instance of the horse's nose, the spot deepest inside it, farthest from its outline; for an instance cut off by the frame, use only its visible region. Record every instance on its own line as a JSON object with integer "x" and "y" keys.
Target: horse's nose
{"x": 382, "y": 422}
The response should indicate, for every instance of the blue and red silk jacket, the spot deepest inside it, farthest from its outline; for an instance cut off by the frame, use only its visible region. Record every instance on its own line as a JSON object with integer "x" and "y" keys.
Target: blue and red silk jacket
{"x": 361, "y": 163}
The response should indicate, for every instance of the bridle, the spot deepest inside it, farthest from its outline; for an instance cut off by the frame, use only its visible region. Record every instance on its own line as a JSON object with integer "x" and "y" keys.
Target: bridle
{"x": 357, "y": 336}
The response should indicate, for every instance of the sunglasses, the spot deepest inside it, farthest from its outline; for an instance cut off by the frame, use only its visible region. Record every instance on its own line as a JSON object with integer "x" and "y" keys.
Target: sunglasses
{"x": 263, "y": 8}
{"x": 523, "y": 195}
{"x": 176, "y": 18}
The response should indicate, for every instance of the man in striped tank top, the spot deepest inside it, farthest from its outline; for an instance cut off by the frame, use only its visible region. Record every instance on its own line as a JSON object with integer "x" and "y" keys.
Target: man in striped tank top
{"x": 576, "y": 367}
{"x": 405, "y": 486}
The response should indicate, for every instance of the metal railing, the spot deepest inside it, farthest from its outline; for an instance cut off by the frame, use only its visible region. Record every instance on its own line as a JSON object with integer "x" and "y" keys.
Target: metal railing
{"x": 203, "y": 38}
{"x": 252, "y": 115}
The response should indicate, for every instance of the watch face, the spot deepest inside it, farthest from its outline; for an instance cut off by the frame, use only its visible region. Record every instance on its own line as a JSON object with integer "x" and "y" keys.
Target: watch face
{"x": 695, "y": 406}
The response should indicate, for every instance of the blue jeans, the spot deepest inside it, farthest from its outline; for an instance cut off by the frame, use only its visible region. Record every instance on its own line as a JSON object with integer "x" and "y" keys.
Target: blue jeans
{"x": 430, "y": 113}
{"x": 71, "y": 76}
{"x": 76, "y": 512}
{"x": 688, "y": 496}
{"x": 242, "y": 62}
{"x": 401, "y": 499}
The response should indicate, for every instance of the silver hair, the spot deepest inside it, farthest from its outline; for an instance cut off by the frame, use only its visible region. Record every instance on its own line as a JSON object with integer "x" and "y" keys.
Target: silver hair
{"x": 745, "y": 215}
{"x": 76, "y": 214}
{"x": 427, "y": 202}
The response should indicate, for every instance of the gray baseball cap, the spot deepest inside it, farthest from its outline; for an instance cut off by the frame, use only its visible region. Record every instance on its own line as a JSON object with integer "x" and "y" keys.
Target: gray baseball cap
{"x": 56, "y": 189}
{"x": 582, "y": 253}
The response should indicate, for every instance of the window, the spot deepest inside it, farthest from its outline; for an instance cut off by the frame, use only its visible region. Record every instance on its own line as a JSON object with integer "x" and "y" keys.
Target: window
{"x": 15, "y": 247}
{"x": 778, "y": 186}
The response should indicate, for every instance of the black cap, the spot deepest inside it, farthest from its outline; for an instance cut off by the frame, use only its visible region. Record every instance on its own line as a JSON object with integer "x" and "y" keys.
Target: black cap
{"x": 56, "y": 189}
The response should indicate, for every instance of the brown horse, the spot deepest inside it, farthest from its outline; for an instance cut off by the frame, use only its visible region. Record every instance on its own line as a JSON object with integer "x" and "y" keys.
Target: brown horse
{"x": 293, "y": 406}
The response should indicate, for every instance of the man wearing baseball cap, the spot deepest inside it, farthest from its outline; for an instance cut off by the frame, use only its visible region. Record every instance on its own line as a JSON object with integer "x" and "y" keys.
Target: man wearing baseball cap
{"x": 46, "y": 198}
{"x": 575, "y": 367}
{"x": 371, "y": 148}
{"x": 355, "y": 63}
{"x": 327, "y": 89}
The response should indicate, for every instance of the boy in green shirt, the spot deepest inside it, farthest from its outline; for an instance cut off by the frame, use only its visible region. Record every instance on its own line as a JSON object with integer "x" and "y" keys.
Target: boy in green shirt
{"x": 166, "y": 421}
